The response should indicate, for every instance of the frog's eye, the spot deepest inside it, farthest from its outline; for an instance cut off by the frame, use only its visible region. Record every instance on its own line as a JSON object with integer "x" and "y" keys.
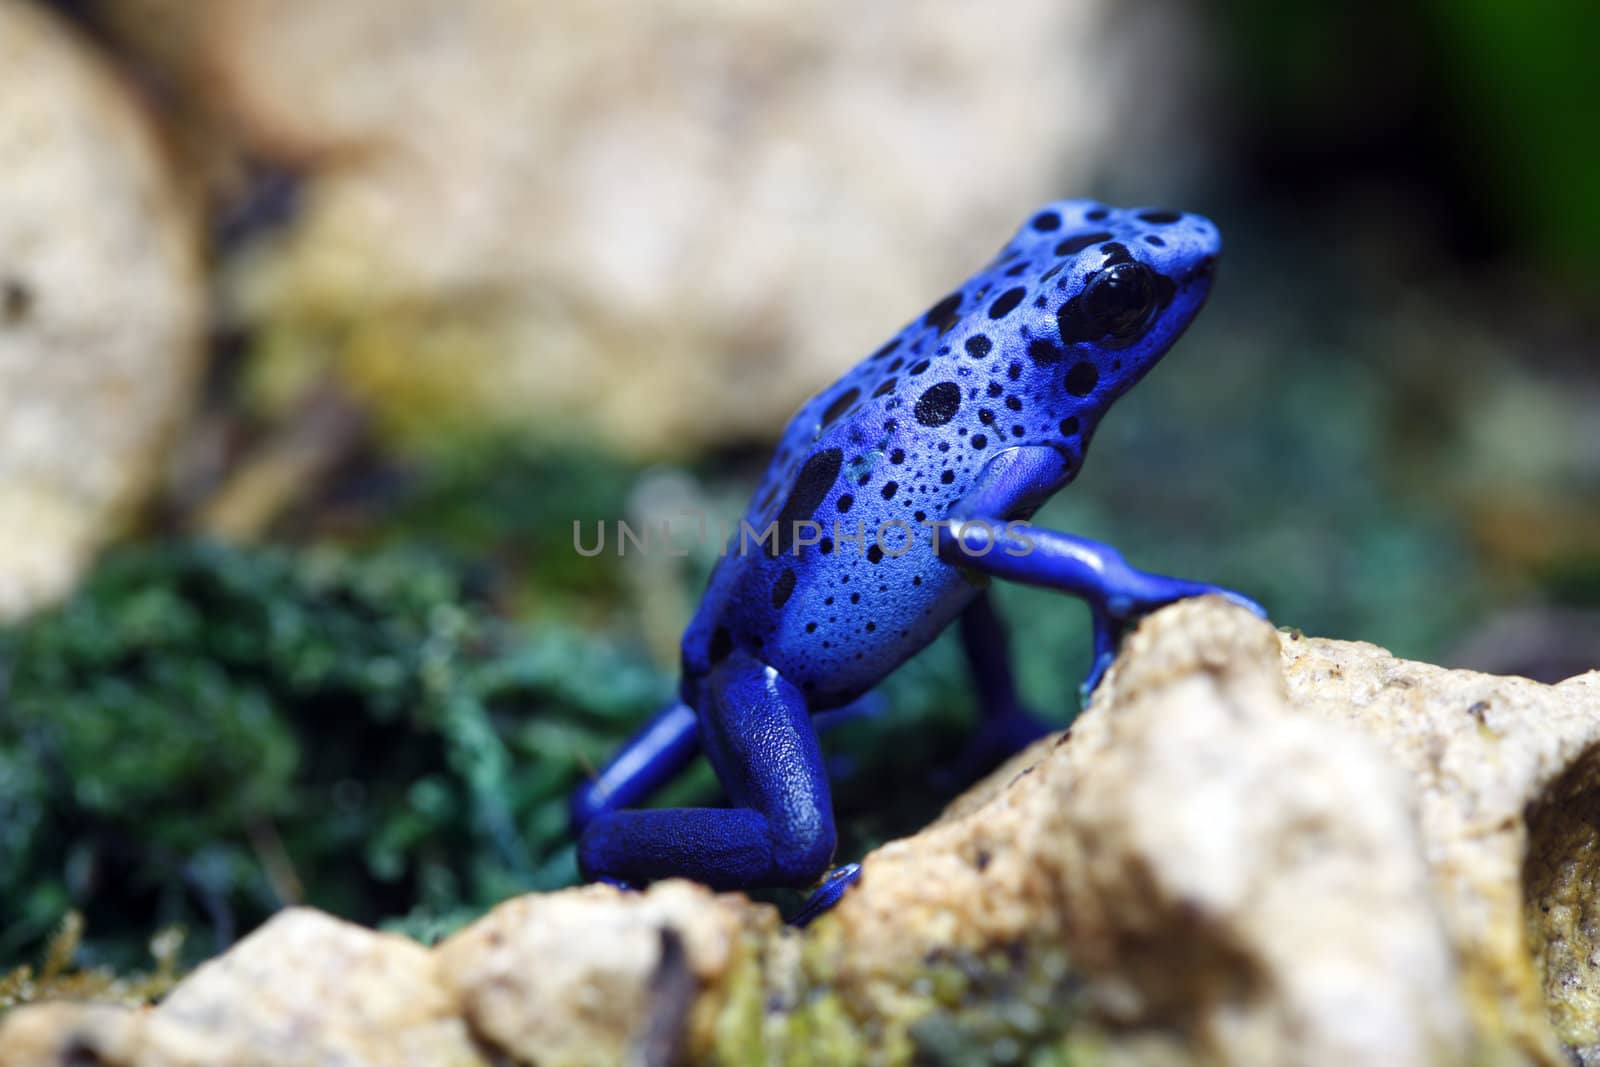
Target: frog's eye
{"x": 1120, "y": 299}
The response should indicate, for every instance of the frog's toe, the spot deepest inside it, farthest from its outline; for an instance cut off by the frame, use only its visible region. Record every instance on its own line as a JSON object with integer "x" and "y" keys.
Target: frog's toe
{"x": 829, "y": 893}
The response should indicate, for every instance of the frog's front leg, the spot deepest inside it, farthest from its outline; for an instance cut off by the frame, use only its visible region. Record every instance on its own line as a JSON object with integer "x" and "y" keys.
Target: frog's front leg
{"x": 758, "y": 735}
{"x": 979, "y": 535}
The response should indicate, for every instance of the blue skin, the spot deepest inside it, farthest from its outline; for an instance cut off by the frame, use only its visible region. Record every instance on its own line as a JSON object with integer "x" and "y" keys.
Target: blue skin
{"x": 971, "y": 417}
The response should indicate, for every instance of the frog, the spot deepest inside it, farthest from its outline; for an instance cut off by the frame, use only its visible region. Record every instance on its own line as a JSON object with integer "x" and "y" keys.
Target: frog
{"x": 894, "y": 499}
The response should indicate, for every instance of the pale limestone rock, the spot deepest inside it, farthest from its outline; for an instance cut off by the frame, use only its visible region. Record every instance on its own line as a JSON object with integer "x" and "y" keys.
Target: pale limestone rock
{"x": 1491, "y": 759}
{"x": 1218, "y": 865}
{"x": 1253, "y": 848}
{"x": 590, "y": 975}
{"x": 101, "y": 304}
{"x": 677, "y": 218}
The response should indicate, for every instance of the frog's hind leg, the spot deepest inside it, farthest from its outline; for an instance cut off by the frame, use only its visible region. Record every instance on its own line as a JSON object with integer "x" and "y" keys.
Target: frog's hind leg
{"x": 653, "y": 756}
{"x": 1006, "y": 727}
{"x": 756, "y": 731}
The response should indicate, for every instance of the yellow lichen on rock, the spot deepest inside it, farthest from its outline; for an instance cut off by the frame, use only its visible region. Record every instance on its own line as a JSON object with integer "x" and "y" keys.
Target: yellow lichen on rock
{"x": 101, "y": 305}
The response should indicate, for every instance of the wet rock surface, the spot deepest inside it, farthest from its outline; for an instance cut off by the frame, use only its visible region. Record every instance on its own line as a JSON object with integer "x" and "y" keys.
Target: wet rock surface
{"x": 1253, "y": 848}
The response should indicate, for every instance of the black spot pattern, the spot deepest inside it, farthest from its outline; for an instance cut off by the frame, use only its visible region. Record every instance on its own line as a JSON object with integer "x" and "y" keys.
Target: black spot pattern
{"x": 1073, "y": 245}
{"x": 1159, "y": 217}
{"x": 1006, "y": 303}
{"x": 840, "y": 405}
{"x": 1082, "y": 378}
{"x": 945, "y": 313}
{"x": 979, "y": 346}
{"x": 816, "y": 477}
{"x": 721, "y": 644}
{"x": 783, "y": 588}
{"x": 938, "y": 404}
{"x": 1046, "y": 221}
{"x": 886, "y": 388}
{"x": 1041, "y": 350}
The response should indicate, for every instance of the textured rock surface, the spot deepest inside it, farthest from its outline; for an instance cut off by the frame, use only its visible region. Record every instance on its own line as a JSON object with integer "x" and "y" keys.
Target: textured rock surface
{"x": 100, "y": 306}
{"x": 650, "y": 212}
{"x": 1253, "y": 848}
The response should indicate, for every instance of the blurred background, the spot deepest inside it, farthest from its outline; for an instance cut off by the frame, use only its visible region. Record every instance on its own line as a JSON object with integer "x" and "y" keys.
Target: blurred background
{"x": 320, "y": 325}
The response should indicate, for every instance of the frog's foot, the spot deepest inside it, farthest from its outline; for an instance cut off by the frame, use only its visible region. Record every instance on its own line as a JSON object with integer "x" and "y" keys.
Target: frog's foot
{"x": 1138, "y": 594}
{"x": 827, "y": 894}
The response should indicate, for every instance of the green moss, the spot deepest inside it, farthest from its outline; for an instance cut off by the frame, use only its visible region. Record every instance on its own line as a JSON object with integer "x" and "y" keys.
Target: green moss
{"x": 203, "y": 734}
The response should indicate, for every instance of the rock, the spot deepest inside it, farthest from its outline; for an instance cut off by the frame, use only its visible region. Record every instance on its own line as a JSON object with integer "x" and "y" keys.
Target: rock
{"x": 101, "y": 303}
{"x": 1252, "y": 848}
{"x": 677, "y": 219}
{"x": 589, "y": 976}
{"x": 1506, "y": 782}
{"x": 1219, "y": 867}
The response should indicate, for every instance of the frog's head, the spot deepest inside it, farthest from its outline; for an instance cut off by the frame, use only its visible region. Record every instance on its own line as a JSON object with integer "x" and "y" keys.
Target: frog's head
{"x": 1121, "y": 285}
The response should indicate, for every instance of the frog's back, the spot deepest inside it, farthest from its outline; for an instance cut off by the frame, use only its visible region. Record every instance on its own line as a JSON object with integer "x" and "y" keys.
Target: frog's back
{"x": 1003, "y": 361}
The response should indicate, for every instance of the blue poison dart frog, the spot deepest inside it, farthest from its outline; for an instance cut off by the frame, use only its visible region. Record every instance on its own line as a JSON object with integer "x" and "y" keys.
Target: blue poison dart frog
{"x": 895, "y": 495}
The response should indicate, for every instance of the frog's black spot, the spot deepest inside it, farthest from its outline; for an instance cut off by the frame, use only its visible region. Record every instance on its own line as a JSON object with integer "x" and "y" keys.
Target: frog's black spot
{"x": 840, "y": 405}
{"x": 1097, "y": 214}
{"x": 1082, "y": 379}
{"x": 1039, "y": 301}
{"x": 864, "y": 479}
{"x": 944, "y": 446}
{"x": 943, "y": 315}
{"x": 920, "y": 516}
{"x": 16, "y": 301}
{"x": 1152, "y": 239}
{"x": 1046, "y": 221}
{"x": 825, "y": 546}
{"x": 985, "y": 416}
{"x": 844, "y": 502}
{"x": 1071, "y": 245}
{"x": 829, "y": 603}
{"x": 979, "y": 346}
{"x": 783, "y": 588}
{"x": 811, "y": 627}
{"x": 871, "y": 626}
{"x": 721, "y": 644}
{"x": 890, "y": 346}
{"x": 898, "y": 456}
{"x": 1014, "y": 403}
{"x": 1016, "y": 431}
{"x": 947, "y": 477}
{"x": 1041, "y": 350}
{"x": 889, "y": 489}
{"x": 979, "y": 440}
{"x": 1116, "y": 252}
{"x": 855, "y": 598}
{"x": 920, "y": 367}
{"x": 1159, "y": 217}
{"x": 1017, "y": 269}
{"x": 816, "y": 477}
{"x": 1051, "y": 273}
{"x": 962, "y": 431}
{"x": 890, "y": 425}
{"x": 938, "y": 404}
{"x": 887, "y": 387}
{"x": 1014, "y": 371}
{"x": 766, "y": 500}
{"x": 1006, "y": 303}
{"x": 896, "y": 365}
{"x": 995, "y": 389}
